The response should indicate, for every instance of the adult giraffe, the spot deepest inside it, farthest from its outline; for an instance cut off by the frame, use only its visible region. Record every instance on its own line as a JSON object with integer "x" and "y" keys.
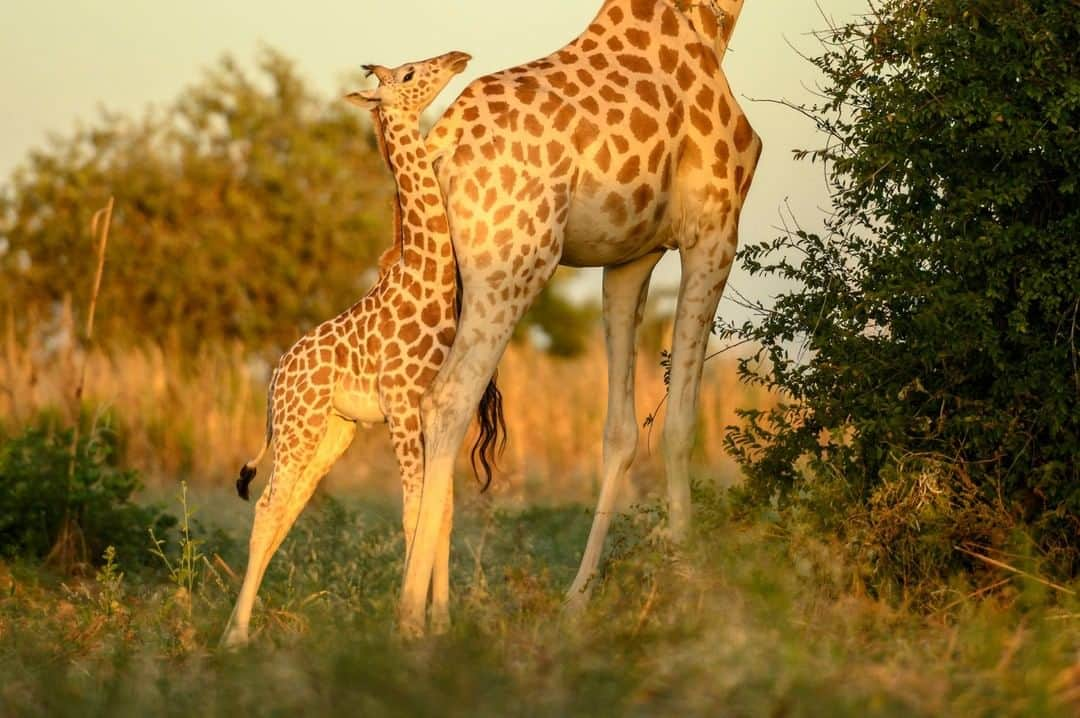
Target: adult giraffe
{"x": 623, "y": 144}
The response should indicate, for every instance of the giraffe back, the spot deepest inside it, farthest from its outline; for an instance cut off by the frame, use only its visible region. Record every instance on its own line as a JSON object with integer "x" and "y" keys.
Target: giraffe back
{"x": 634, "y": 116}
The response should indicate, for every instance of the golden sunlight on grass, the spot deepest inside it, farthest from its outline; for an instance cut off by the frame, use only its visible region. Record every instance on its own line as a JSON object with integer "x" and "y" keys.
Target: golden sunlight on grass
{"x": 202, "y": 417}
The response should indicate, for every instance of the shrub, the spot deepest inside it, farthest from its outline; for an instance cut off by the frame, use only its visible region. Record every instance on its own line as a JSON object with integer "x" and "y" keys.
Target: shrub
{"x": 939, "y": 315}
{"x": 38, "y": 495}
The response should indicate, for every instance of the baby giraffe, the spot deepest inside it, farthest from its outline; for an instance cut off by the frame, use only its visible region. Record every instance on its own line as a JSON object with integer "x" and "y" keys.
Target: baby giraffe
{"x": 372, "y": 363}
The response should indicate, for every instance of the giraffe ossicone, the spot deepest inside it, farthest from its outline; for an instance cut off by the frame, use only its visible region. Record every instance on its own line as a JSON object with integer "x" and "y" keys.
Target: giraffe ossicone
{"x": 372, "y": 362}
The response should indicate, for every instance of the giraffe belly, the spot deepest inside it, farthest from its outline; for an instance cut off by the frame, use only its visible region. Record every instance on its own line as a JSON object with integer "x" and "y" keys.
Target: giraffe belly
{"x": 602, "y": 232}
{"x": 354, "y": 404}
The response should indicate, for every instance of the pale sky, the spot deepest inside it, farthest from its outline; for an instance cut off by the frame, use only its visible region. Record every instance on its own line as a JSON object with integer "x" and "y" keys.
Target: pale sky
{"x": 63, "y": 59}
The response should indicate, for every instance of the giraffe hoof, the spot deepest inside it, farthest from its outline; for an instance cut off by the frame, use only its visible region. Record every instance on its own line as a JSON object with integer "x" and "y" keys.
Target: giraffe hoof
{"x": 233, "y": 640}
{"x": 575, "y": 601}
{"x": 412, "y": 628}
{"x": 573, "y": 607}
{"x": 440, "y": 624}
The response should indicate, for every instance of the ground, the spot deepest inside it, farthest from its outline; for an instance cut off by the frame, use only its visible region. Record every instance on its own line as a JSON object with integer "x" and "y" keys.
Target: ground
{"x": 753, "y": 617}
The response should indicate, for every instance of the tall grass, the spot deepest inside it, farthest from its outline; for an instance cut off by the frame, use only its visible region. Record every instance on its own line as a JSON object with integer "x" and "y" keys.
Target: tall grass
{"x": 200, "y": 417}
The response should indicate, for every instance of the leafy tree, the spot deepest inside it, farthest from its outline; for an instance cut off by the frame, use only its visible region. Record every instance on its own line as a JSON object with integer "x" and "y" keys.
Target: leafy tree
{"x": 933, "y": 330}
{"x": 250, "y": 209}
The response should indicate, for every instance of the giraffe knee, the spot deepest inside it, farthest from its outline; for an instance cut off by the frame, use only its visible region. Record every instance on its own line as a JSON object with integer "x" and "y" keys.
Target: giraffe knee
{"x": 439, "y": 410}
{"x": 620, "y": 443}
{"x": 678, "y": 433}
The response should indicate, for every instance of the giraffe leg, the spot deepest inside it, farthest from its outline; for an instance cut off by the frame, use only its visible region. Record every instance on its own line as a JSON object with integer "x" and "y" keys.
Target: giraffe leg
{"x": 625, "y": 290}
{"x": 706, "y": 266}
{"x": 440, "y": 573}
{"x": 288, "y": 491}
{"x": 487, "y": 321}
{"x": 447, "y": 410}
{"x": 410, "y": 458}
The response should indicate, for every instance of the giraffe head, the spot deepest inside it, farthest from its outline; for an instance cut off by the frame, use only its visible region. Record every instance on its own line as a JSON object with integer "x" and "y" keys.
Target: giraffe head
{"x": 410, "y": 88}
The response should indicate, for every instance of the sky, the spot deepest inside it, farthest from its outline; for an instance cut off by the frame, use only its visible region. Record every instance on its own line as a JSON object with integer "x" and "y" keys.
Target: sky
{"x": 65, "y": 59}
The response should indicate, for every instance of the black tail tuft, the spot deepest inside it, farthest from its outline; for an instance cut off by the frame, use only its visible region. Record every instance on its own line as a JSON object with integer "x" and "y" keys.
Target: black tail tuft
{"x": 492, "y": 439}
{"x": 247, "y": 474}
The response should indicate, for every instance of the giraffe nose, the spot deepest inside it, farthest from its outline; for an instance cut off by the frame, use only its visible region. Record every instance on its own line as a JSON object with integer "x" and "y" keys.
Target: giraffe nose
{"x": 457, "y": 60}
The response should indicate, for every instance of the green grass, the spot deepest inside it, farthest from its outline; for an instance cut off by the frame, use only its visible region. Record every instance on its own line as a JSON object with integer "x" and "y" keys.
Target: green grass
{"x": 751, "y": 618}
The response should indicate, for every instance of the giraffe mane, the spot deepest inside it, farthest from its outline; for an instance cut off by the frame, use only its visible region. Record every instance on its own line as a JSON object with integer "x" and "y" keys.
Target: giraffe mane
{"x": 394, "y": 253}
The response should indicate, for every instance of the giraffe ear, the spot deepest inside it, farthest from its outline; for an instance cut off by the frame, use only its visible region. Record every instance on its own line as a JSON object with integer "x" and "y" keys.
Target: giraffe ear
{"x": 366, "y": 99}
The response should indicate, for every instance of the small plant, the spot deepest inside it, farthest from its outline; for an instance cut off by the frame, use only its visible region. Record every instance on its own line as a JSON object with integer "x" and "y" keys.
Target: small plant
{"x": 184, "y": 567}
{"x": 338, "y": 555}
{"x": 110, "y": 580}
{"x": 36, "y": 495}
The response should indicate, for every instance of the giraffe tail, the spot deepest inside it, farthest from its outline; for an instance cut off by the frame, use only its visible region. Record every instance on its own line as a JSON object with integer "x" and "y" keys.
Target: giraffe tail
{"x": 247, "y": 475}
{"x": 247, "y": 471}
{"x": 491, "y": 441}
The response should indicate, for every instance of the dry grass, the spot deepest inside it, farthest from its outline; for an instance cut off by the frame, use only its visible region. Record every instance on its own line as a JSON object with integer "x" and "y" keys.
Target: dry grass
{"x": 201, "y": 419}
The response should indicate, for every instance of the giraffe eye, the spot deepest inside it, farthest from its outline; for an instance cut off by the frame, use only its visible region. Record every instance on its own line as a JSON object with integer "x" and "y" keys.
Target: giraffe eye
{"x": 408, "y": 76}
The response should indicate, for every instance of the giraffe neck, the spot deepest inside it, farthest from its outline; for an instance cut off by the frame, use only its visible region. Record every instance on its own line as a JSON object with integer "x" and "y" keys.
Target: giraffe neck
{"x": 420, "y": 215}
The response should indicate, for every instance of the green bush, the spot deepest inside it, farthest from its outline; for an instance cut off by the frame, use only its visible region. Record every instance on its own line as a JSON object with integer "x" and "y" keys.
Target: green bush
{"x": 936, "y": 322}
{"x": 38, "y": 496}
